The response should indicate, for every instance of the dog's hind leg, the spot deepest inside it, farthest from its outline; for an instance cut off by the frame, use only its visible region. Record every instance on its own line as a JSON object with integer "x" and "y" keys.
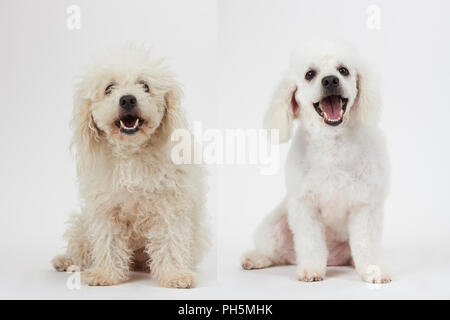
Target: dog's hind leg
{"x": 273, "y": 242}
{"x": 255, "y": 259}
{"x": 78, "y": 248}
{"x": 61, "y": 262}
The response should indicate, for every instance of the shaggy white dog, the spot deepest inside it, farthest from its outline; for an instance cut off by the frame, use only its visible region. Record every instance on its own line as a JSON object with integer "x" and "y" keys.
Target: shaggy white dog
{"x": 140, "y": 210}
{"x": 336, "y": 172}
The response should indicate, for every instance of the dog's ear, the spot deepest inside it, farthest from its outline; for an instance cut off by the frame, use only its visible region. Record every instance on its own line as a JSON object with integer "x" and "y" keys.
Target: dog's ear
{"x": 366, "y": 109}
{"x": 174, "y": 116}
{"x": 283, "y": 109}
{"x": 86, "y": 134}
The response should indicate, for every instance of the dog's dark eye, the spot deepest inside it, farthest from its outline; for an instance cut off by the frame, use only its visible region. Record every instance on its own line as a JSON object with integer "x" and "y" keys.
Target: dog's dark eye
{"x": 144, "y": 86}
{"x": 343, "y": 71}
{"x": 310, "y": 75}
{"x": 109, "y": 88}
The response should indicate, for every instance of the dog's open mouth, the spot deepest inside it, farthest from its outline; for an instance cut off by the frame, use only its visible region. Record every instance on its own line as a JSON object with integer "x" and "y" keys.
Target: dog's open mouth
{"x": 332, "y": 109}
{"x": 129, "y": 124}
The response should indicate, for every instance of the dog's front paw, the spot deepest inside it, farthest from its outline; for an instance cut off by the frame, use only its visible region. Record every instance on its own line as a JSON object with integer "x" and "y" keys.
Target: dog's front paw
{"x": 310, "y": 274}
{"x": 375, "y": 274}
{"x": 180, "y": 280}
{"x": 95, "y": 277}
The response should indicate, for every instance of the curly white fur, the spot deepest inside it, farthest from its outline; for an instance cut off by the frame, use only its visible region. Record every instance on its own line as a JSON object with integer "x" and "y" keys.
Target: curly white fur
{"x": 139, "y": 209}
{"x": 336, "y": 176}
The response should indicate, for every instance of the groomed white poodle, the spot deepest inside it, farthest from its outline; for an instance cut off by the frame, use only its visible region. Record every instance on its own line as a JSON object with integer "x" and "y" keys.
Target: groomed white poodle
{"x": 337, "y": 169}
{"x": 140, "y": 211}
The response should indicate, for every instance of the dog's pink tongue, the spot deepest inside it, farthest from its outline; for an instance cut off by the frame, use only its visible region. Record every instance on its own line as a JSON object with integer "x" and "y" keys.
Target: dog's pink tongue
{"x": 332, "y": 107}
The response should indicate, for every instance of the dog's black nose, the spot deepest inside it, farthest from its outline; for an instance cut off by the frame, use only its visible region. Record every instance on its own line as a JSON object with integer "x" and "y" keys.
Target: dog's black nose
{"x": 330, "y": 82}
{"x": 128, "y": 102}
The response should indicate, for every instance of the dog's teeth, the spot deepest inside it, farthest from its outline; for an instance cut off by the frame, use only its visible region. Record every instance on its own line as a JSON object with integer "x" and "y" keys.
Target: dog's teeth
{"x": 320, "y": 107}
{"x": 342, "y": 112}
{"x": 325, "y": 116}
{"x": 136, "y": 124}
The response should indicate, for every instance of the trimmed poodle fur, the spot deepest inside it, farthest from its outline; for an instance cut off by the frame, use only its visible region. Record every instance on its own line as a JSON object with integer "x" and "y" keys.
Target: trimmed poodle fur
{"x": 337, "y": 170}
{"x": 140, "y": 211}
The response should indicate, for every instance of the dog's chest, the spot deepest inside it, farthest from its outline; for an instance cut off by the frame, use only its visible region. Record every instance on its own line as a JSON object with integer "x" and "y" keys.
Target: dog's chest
{"x": 325, "y": 173}
{"x": 330, "y": 168}
{"x": 135, "y": 216}
{"x": 333, "y": 172}
{"x": 141, "y": 177}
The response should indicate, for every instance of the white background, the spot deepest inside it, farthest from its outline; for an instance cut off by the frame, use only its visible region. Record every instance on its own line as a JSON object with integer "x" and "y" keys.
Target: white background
{"x": 229, "y": 54}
